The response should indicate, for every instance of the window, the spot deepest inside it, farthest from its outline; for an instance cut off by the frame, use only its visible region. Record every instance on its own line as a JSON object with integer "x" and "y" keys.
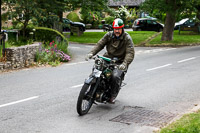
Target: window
{"x": 21, "y": 16}
{"x": 149, "y": 22}
{"x": 9, "y": 17}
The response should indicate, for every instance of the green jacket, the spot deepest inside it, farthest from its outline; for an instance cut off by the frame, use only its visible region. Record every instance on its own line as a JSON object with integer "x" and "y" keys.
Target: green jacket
{"x": 122, "y": 48}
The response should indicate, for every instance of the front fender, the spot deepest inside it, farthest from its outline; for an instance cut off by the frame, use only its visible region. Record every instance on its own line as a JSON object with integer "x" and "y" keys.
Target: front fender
{"x": 90, "y": 80}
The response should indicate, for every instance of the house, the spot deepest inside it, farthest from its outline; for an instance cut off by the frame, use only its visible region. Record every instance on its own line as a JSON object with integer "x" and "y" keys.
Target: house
{"x": 128, "y": 3}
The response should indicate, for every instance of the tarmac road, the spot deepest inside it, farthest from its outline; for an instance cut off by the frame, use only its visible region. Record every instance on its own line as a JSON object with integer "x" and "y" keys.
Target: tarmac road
{"x": 161, "y": 82}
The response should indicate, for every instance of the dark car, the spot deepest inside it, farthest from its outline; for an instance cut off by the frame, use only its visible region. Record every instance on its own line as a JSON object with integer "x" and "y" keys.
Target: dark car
{"x": 68, "y": 23}
{"x": 185, "y": 23}
{"x": 147, "y": 24}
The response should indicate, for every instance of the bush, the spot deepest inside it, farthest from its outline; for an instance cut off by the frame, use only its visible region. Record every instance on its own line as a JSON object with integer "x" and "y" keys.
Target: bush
{"x": 52, "y": 53}
{"x": 73, "y": 17}
{"x": 109, "y": 20}
{"x": 46, "y": 35}
{"x": 21, "y": 42}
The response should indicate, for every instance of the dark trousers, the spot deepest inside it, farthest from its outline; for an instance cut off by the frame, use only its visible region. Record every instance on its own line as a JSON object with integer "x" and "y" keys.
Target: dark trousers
{"x": 117, "y": 78}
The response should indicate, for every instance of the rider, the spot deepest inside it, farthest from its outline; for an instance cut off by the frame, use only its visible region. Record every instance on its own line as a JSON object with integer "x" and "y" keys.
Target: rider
{"x": 118, "y": 45}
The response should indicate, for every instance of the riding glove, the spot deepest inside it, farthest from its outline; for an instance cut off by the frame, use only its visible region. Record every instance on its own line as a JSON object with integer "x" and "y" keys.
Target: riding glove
{"x": 122, "y": 67}
{"x": 88, "y": 56}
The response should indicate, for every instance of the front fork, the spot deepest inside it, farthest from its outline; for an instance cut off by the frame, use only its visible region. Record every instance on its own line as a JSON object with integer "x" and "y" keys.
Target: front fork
{"x": 91, "y": 80}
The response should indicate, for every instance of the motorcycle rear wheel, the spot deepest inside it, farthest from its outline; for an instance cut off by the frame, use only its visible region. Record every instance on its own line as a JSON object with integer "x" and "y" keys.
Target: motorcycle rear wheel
{"x": 85, "y": 101}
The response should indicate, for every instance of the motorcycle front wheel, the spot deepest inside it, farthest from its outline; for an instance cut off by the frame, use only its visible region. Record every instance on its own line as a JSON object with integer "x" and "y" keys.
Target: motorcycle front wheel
{"x": 85, "y": 100}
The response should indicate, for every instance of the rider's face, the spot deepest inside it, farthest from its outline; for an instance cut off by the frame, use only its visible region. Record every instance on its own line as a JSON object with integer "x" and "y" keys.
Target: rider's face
{"x": 118, "y": 32}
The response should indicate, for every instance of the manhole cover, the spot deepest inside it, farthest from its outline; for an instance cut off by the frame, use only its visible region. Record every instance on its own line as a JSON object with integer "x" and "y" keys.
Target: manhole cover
{"x": 144, "y": 117}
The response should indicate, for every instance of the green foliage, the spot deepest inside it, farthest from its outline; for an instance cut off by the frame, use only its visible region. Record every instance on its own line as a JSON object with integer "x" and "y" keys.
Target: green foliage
{"x": 47, "y": 34}
{"x": 181, "y": 8}
{"x": 189, "y": 123}
{"x": 109, "y": 19}
{"x": 1, "y": 52}
{"x": 50, "y": 12}
{"x": 63, "y": 46}
{"x": 174, "y": 10}
{"x": 4, "y": 16}
{"x": 52, "y": 53}
{"x": 25, "y": 8}
{"x": 133, "y": 15}
{"x": 73, "y": 17}
{"x": 122, "y": 13}
{"x": 91, "y": 11}
{"x": 21, "y": 42}
{"x": 111, "y": 11}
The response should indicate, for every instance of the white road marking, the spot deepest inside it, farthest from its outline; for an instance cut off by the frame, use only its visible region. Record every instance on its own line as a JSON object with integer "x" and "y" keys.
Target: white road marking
{"x": 82, "y": 62}
{"x": 186, "y": 59}
{"x": 89, "y": 46}
{"x": 70, "y": 64}
{"x": 20, "y": 101}
{"x": 153, "y": 50}
{"x": 75, "y": 47}
{"x": 151, "y": 69}
{"x": 76, "y": 86}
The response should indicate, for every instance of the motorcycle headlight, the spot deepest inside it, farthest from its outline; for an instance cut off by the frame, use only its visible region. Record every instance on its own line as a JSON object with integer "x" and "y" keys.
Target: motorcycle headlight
{"x": 99, "y": 64}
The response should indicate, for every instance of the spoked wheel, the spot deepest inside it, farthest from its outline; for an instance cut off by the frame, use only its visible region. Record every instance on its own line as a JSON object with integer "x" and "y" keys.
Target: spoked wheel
{"x": 85, "y": 100}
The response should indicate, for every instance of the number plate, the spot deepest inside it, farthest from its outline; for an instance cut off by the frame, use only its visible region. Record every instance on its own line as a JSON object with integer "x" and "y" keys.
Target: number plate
{"x": 97, "y": 73}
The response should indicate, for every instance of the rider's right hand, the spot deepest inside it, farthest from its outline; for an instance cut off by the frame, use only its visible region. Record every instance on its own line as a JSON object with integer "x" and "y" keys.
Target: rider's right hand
{"x": 88, "y": 56}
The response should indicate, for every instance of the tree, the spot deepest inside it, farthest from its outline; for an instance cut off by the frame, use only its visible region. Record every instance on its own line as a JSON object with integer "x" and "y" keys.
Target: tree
{"x": 122, "y": 13}
{"x": 91, "y": 10}
{"x": 47, "y": 13}
{"x": 51, "y": 12}
{"x": 172, "y": 9}
{"x": 197, "y": 7}
{"x": 22, "y": 11}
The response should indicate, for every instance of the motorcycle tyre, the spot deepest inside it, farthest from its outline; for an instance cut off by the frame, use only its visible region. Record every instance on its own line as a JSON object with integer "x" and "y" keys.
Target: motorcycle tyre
{"x": 80, "y": 100}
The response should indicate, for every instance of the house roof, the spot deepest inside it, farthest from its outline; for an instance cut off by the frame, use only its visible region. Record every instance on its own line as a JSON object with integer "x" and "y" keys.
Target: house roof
{"x": 114, "y": 3}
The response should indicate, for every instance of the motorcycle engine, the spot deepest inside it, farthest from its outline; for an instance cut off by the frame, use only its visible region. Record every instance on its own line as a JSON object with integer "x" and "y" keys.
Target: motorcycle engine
{"x": 100, "y": 96}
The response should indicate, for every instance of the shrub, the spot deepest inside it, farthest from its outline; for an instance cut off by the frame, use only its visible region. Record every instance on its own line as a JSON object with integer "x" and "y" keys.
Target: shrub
{"x": 109, "y": 20}
{"x": 46, "y": 35}
{"x": 122, "y": 13}
{"x": 73, "y": 17}
{"x": 52, "y": 54}
{"x": 21, "y": 42}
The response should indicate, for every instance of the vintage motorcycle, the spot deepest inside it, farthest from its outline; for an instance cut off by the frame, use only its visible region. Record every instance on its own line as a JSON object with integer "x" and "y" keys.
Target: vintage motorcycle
{"x": 97, "y": 87}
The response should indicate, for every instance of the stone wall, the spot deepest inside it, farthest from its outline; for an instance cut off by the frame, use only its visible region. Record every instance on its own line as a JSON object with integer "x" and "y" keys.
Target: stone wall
{"x": 19, "y": 57}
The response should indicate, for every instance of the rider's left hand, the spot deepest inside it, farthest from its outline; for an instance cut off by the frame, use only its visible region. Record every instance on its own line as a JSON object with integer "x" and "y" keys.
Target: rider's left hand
{"x": 122, "y": 67}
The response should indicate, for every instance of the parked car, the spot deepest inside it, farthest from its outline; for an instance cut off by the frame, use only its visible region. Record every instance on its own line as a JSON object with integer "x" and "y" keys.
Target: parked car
{"x": 147, "y": 24}
{"x": 184, "y": 22}
{"x": 68, "y": 23}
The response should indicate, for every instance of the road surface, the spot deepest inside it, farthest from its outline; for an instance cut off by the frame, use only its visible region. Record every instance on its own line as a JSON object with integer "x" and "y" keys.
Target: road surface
{"x": 162, "y": 83}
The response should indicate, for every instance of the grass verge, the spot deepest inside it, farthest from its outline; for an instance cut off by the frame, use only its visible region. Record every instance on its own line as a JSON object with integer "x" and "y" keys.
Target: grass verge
{"x": 186, "y": 38}
{"x": 143, "y": 38}
{"x": 189, "y": 123}
{"x": 93, "y": 37}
